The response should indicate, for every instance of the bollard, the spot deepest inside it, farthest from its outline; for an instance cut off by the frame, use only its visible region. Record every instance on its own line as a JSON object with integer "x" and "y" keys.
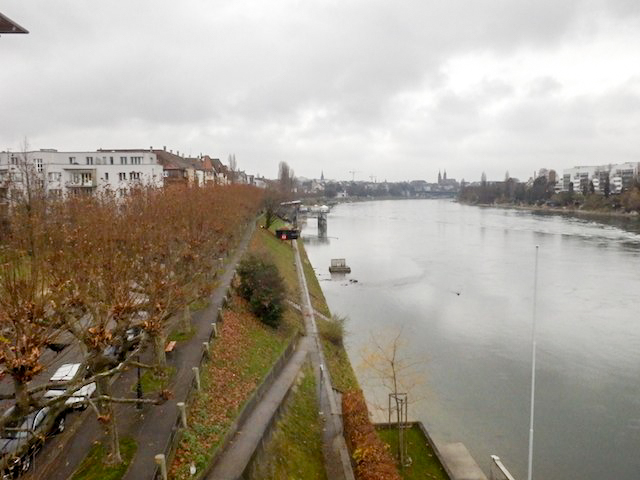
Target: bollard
{"x": 162, "y": 463}
{"x": 196, "y": 372}
{"x": 205, "y": 349}
{"x": 214, "y": 332}
{"x": 219, "y": 318}
{"x": 183, "y": 413}
{"x": 221, "y": 262}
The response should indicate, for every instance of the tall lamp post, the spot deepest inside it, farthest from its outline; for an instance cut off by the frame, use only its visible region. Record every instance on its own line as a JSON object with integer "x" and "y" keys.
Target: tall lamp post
{"x": 139, "y": 387}
{"x": 533, "y": 364}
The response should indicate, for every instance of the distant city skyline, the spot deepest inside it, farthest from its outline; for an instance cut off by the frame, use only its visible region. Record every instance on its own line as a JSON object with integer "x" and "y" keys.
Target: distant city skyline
{"x": 394, "y": 91}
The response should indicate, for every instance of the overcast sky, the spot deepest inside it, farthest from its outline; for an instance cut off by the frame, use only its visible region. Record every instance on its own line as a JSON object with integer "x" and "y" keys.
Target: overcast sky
{"x": 394, "y": 89}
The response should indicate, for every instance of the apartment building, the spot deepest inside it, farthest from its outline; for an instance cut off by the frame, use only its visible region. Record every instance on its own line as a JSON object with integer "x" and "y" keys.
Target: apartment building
{"x": 63, "y": 173}
{"x": 620, "y": 177}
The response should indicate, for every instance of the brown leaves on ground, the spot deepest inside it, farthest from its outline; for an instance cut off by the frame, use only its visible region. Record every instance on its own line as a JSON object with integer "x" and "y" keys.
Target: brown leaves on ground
{"x": 372, "y": 458}
{"x": 240, "y": 357}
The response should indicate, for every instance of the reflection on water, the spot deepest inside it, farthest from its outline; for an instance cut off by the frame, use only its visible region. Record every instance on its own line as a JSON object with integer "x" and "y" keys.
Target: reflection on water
{"x": 459, "y": 278}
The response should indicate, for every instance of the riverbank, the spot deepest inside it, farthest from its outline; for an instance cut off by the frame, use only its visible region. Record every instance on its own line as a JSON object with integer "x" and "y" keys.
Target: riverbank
{"x": 562, "y": 211}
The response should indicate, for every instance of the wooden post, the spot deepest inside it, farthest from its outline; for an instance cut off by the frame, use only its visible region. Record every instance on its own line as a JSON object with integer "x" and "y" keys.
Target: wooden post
{"x": 183, "y": 413}
{"x": 205, "y": 349}
{"x": 162, "y": 463}
{"x": 214, "y": 331}
{"x": 196, "y": 373}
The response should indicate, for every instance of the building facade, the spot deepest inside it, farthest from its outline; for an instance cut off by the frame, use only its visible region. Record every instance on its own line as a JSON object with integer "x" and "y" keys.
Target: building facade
{"x": 64, "y": 173}
{"x": 619, "y": 177}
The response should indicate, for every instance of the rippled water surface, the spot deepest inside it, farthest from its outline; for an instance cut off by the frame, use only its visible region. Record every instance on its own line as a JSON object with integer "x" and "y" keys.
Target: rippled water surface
{"x": 460, "y": 281}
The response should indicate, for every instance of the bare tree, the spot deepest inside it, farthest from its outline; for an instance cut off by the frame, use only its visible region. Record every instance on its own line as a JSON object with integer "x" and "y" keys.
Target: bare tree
{"x": 388, "y": 365}
{"x": 286, "y": 179}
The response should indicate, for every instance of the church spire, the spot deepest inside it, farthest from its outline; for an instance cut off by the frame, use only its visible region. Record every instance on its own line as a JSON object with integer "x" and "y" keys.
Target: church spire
{"x": 439, "y": 177}
{"x": 322, "y": 175}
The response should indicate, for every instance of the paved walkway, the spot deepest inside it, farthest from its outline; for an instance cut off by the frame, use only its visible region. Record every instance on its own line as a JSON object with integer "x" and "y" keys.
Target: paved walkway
{"x": 459, "y": 463}
{"x": 233, "y": 461}
{"x": 336, "y": 456}
{"x": 236, "y": 457}
{"x": 153, "y": 425}
{"x": 159, "y": 422}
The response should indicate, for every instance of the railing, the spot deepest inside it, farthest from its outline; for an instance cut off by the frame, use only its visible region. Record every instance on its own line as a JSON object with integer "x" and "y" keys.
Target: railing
{"x": 498, "y": 470}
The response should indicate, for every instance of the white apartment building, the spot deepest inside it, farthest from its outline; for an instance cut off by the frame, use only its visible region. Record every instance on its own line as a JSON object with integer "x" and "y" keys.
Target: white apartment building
{"x": 62, "y": 173}
{"x": 621, "y": 176}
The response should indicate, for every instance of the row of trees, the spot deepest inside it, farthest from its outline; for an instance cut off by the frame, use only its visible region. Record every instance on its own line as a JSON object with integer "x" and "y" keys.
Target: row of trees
{"x": 86, "y": 269}
{"x": 543, "y": 191}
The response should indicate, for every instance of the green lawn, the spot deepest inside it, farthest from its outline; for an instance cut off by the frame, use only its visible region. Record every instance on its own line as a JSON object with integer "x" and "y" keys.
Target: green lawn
{"x": 282, "y": 254}
{"x": 295, "y": 448}
{"x": 425, "y": 464}
{"x": 94, "y": 468}
{"x": 315, "y": 292}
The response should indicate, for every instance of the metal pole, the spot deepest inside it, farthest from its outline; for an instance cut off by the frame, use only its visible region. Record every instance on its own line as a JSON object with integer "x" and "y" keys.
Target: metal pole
{"x": 533, "y": 364}
{"x": 139, "y": 388}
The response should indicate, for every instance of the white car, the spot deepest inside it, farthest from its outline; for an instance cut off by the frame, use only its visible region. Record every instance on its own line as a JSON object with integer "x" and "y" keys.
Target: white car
{"x": 66, "y": 373}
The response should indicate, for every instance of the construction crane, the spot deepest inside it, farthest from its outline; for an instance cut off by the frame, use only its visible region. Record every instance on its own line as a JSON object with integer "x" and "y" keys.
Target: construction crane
{"x": 353, "y": 174}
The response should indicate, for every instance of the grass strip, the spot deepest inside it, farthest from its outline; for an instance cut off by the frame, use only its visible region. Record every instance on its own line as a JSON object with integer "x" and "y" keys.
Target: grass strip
{"x": 295, "y": 447}
{"x": 425, "y": 463}
{"x": 240, "y": 358}
{"x": 93, "y": 467}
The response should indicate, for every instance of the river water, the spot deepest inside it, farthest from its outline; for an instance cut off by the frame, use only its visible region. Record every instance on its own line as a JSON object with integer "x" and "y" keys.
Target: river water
{"x": 459, "y": 281}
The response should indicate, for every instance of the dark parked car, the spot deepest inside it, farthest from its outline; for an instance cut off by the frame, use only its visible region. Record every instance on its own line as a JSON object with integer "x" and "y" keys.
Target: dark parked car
{"x": 21, "y": 439}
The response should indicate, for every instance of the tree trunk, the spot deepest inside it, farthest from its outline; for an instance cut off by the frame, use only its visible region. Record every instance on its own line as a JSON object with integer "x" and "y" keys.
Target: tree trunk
{"x": 22, "y": 397}
{"x": 108, "y": 419}
{"x": 158, "y": 350}
{"x": 185, "y": 319}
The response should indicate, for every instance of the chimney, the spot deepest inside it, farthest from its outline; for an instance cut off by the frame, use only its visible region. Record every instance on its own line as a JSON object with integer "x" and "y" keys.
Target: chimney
{"x": 151, "y": 148}
{"x": 164, "y": 148}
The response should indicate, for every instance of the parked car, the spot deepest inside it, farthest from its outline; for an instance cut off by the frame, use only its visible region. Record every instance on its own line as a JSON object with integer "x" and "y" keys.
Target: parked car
{"x": 21, "y": 439}
{"x": 132, "y": 338}
{"x": 67, "y": 373}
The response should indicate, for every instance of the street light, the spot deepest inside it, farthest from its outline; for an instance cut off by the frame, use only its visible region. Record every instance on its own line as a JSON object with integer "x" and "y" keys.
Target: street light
{"x": 533, "y": 363}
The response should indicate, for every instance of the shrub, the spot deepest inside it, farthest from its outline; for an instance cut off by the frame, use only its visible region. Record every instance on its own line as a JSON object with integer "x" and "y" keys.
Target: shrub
{"x": 372, "y": 458}
{"x": 333, "y": 330}
{"x": 262, "y": 286}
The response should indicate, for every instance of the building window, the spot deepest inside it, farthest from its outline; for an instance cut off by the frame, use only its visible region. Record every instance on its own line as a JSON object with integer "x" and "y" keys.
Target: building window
{"x": 75, "y": 178}
{"x": 134, "y": 175}
{"x": 72, "y": 160}
{"x": 123, "y": 160}
{"x": 56, "y": 192}
{"x": 14, "y": 160}
{"x": 136, "y": 160}
{"x": 106, "y": 175}
{"x": 54, "y": 176}
{"x": 86, "y": 178}
{"x": 122, "y": 176}
{"x": 111, "y": 160}
{"x": 39, "y": 166}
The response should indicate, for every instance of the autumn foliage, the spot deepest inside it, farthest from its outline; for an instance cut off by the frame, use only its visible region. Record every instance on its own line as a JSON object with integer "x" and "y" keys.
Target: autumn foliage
{"x": 84, "y": 269}
{"x": 371, "y": 456}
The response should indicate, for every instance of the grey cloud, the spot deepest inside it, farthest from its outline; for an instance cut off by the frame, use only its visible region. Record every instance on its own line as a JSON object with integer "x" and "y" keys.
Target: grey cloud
{"x": 243, "y": 76}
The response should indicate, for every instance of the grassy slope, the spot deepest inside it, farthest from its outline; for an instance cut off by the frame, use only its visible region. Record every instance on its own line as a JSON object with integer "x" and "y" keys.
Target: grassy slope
{"x": 342, "y": 374}
{"x": 295, "y": 448}
{"x": 425, "y": 463}
{"x": 242, "y": 355}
